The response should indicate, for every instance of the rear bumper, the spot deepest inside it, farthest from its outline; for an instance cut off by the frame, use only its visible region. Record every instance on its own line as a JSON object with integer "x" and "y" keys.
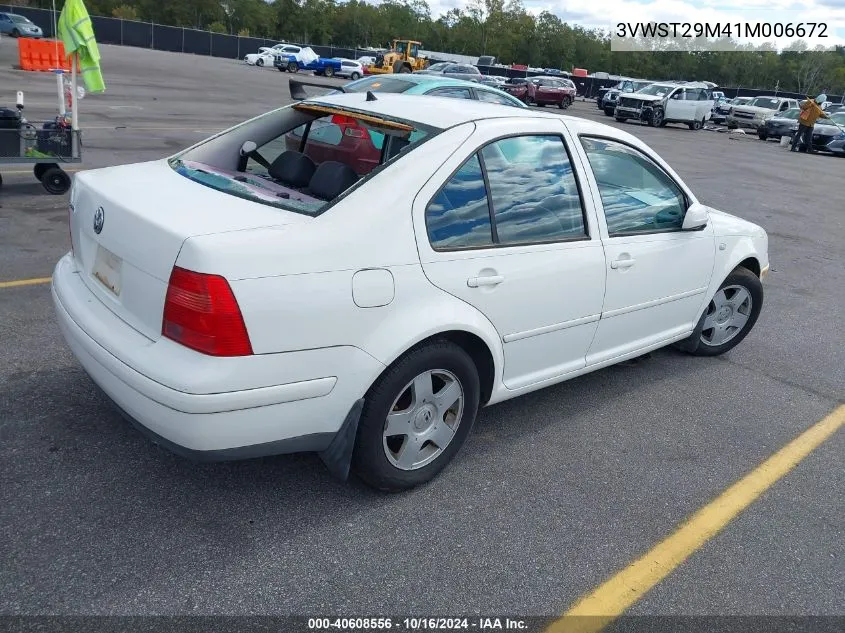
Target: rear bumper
{"x": 303, "y": 413}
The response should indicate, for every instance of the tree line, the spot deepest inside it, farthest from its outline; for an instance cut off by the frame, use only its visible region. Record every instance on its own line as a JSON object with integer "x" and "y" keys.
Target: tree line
{"x": 503, "y": 28}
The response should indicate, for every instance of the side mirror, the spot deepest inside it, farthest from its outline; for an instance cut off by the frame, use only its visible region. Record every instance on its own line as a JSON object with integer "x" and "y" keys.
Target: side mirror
{"x": 696, "y": 218}
{"x": 248, "y": 148}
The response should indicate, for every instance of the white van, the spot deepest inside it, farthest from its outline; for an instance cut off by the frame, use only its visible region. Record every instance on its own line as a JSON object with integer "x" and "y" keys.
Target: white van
{"x": 661, "y": 103}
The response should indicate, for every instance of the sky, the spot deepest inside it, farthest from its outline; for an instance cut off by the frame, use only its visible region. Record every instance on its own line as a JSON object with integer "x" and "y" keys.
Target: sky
{"x": 608, "y": 13}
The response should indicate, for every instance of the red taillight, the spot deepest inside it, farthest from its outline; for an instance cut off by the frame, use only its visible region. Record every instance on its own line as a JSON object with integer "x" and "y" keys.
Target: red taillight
{"x": 201, "y": 312}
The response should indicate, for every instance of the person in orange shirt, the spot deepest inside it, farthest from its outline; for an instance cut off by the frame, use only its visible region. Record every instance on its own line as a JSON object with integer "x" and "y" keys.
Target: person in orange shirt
{"x": 811, "y": 111}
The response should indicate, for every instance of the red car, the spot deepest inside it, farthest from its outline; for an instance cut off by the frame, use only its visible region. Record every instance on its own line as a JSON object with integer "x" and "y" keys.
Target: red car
{"x": 521, "y": 88}
{"x": 553, "y": 91}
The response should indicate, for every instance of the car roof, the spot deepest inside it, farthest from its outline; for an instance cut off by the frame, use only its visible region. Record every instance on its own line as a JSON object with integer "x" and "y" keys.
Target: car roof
{"x": 440, "y": 112}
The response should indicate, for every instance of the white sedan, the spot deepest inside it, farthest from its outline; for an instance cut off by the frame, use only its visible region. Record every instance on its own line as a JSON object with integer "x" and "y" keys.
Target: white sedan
{"x": 357, "y": 274}
{"x": 266, "y": 54}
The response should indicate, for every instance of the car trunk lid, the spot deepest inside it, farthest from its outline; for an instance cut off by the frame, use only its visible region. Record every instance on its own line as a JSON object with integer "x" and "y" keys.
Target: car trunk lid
{"x": 128, "y": 224}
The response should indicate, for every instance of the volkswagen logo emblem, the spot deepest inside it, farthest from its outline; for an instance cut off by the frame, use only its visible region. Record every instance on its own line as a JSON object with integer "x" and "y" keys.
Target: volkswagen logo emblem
{"x": 99, "y": 219}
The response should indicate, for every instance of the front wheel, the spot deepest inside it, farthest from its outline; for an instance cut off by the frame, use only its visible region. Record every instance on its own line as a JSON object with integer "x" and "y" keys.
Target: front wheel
{"x": 656, "y": 118}
{"x": 293, "y": 67}
{"x": 729, "y": 316}
{"x": 15, "y": 33}
{"x": 762, "y": 135}
{"x": 416, "y": 417}
{"x": 259, "y": 62}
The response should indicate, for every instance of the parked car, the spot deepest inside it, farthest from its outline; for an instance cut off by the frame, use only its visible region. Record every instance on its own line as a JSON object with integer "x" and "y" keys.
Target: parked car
{"x": 779, "y": 125}
{"x": 520, "y": 87}
{"x": 350, "y": 68}
{"x": 552, "y": 91}
{"x": 828, "y": 134}
{"x": 266, "y": 54}
{"x": 756, "y": 112}
{"x": 432, "y": 85}
{"x": 19, "y": 26}
{"x": 623, "y": 85}
{"x": 662, "y": 103}
{"x": 723, "y": 108}
{"x": 203, "y": 292}
{"x": 608, "y": 102}
{"x": 834, "y": 107}
{"x": 455, "y": 71}
{"x": 493, "y": 80}
{"x": 292, "y": 58}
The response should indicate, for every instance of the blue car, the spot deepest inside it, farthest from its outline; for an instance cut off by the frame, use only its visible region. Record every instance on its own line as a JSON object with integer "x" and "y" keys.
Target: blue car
{"x": 19, "y": 26}
{"x": 433, "y": 85}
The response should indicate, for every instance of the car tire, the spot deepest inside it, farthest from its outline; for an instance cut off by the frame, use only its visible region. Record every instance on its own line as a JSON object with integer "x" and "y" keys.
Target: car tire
{"x": 39, "y": 168}
{"x": 719, "y": 329}
{"x": 609, "y": 111}
{"x": 293, "y": 67}
{"x": 55, "y": 180}
{"x": 15, "y": 33}
{"x": 329, "y": 72}
{"x": 379, "y": 459}
{"x": 761, "y": 134}
{"x": 565, "y": 103}
{"x": 259, "y": 62}
{"x": 656, "y": 118}
{"x": 696, "y": 125}
{"x": 355, "y": 76}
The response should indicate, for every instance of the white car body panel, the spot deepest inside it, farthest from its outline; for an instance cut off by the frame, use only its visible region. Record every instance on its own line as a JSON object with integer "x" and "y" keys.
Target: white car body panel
{"x": 330, "y": 301}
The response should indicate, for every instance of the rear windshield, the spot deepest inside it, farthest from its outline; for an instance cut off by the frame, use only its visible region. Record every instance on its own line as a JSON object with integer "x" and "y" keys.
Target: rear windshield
{"x": 379, "y": 84}
{"x": 305, "y": 168}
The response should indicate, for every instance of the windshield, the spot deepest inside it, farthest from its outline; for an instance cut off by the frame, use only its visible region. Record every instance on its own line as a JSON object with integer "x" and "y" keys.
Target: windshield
{"x": 765, "y": 102}
{"x": 379, "y": 84}
{"x": 19, "y": 19}
{"x": 792, "y": 113}
{"x": 740, "y": 100}
{"x": 656, "y": 90}
{"x": 835, "y": 119}
{"x": 305, "y": 168}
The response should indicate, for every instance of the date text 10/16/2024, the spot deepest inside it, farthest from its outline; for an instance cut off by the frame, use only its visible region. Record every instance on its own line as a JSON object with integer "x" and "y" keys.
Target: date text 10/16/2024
{"x": 417, "y": 624}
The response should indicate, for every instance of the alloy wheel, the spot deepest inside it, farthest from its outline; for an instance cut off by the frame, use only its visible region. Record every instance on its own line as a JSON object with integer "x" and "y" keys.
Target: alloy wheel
{"x": 423, "y": 419}
{"x": 726, "y": 316}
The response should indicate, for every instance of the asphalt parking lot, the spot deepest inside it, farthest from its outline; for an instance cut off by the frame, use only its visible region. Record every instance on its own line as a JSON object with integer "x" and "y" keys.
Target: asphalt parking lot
{"x": 554, "y": 493}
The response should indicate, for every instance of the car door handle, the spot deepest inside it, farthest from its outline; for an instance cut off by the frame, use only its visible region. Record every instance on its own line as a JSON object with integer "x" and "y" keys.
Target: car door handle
{"x": 622, "y": 263}
{"x": 487, "y": 280}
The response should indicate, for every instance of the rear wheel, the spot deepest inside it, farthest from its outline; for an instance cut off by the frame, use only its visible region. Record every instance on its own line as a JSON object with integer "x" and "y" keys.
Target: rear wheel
{"x": 416, "y": 417}
{"x": 15, "y": 33}
{"x": 696, "y": 125}
{"x": 565, "y": 103}
{"x": 729, "y": 316}
{"x": 329, "y": 71}
{"x": 355, "y": 76}
{"x": 609, "y": 111}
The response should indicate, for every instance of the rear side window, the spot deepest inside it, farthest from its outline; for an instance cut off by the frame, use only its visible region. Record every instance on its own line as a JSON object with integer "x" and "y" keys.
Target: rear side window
{"x": 454, "y": 93}
{"x": 492, "y": 97}
{"x": 527, "y": 190}
{"x": 459, "y": 217}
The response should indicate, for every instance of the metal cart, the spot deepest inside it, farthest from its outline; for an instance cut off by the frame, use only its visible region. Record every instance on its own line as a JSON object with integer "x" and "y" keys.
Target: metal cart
{"x": 45, "y": 145}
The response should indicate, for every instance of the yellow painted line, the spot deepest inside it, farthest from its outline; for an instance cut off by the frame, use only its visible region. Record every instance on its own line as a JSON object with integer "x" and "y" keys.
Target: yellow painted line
{"x": 597, "y": 610}
{"x": 25, "y": 282}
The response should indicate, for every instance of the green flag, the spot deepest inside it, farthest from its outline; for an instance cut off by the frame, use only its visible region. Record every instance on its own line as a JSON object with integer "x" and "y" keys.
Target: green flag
{"x": 77, "y": 33}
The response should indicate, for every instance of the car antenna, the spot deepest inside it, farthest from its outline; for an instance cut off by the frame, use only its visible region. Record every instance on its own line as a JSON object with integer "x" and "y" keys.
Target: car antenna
{"x": 371, "y": 96}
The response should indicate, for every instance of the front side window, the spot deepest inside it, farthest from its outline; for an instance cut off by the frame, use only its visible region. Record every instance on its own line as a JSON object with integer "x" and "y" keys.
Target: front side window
{"x": 527, "y": 188}
{"x": 637, "y": 195}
